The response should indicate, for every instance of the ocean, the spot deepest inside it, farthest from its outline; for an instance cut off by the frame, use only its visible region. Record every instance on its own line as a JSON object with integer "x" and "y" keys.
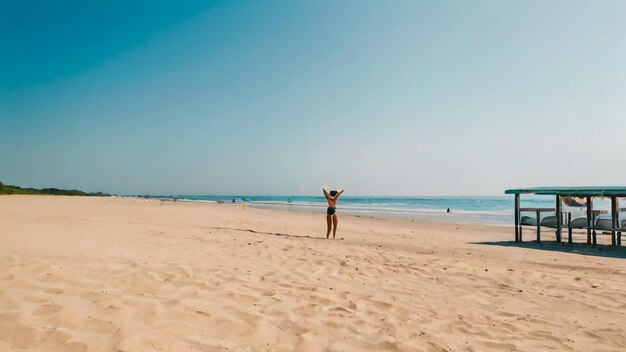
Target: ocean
{"x": 494, "y": 210}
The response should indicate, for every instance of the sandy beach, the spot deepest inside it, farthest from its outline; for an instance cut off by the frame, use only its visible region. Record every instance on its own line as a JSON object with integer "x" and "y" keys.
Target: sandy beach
{"x": 123, "y": 274}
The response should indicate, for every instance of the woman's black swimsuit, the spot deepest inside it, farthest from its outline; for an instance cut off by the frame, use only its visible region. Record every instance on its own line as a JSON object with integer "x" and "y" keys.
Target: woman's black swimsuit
{"x": 330, "y": 211}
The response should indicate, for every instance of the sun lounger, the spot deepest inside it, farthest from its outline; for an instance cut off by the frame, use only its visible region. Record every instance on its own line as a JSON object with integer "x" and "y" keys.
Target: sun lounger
{"x": 575, "y": 223}
{"x": 528, "y": 221}
{"x": 603, "y": 223}
{"x": 549, "y": 221}
{"x": 578, "y": 223}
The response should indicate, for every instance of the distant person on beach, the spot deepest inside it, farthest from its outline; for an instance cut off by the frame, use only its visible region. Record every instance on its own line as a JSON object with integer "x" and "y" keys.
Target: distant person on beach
{"x": 331, "y": 216}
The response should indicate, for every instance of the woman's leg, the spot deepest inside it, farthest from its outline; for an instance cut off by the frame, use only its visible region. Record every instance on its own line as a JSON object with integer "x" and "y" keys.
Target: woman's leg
{"x": 328, "y": 224}
{"x": 335, "y": 221}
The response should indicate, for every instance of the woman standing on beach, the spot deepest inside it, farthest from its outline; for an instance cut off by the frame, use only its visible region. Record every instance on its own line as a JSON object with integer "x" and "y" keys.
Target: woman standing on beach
{"x": 331, "y": 216}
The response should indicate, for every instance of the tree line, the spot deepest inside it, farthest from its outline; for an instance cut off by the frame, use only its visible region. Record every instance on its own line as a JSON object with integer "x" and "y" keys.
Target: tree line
{"x": 8, "y": 189}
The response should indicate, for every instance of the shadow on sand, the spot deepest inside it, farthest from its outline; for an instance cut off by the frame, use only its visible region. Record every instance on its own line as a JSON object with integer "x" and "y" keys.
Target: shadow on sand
{"x": 599, "y": 250}
{"x": 272, "y": 233}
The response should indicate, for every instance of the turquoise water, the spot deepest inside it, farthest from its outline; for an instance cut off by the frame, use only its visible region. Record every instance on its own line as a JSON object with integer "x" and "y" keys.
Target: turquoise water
{"x": 479, "y": 210}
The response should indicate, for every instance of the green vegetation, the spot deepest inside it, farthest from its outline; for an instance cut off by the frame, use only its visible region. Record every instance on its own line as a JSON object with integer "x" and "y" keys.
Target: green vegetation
{"x": 6, "y": 189}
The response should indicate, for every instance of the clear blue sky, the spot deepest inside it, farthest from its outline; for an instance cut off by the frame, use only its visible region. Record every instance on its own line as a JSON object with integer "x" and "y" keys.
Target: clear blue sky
{"x": 284, "y": 97}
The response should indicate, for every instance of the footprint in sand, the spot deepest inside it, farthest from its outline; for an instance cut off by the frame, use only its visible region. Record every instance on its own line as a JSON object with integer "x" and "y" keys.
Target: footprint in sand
{"x": 47, "y": 309}
{"x": 54, "y": 291}
{"x": 76, "y": 347}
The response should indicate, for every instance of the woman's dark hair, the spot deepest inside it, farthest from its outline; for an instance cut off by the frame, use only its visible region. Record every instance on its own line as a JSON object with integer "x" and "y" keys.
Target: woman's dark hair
{"x": 333, "y": 193}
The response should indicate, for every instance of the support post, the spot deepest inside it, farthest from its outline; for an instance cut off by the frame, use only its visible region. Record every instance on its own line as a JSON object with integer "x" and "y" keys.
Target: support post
{"x": 559, "y": 218}
{"x": 538, "y": 226}
{"x": 569, "y": 227}
{"x": 589, "y": 220}
{"x": 593, "y": 227}
{"x": 617, "y": 222}
{"x": 613, "y": 220}
{"x": 518, "y": 235}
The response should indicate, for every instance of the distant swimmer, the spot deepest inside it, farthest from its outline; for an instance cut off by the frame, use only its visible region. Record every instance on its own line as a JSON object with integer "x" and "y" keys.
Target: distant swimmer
{"x": 331, "y": 216}
{"x": 448, "y": 210}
